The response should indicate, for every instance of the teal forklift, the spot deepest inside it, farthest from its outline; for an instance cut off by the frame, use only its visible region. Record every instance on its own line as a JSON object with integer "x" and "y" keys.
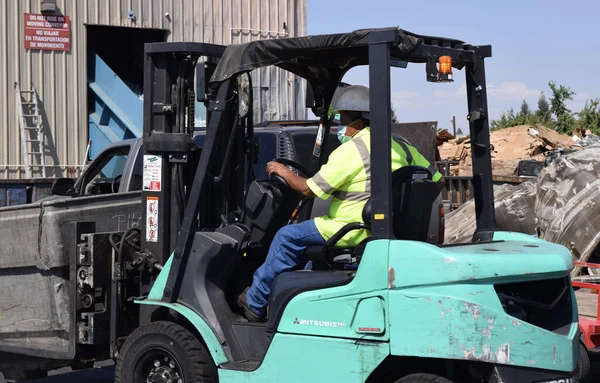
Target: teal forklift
{"x": 394, "y": 309}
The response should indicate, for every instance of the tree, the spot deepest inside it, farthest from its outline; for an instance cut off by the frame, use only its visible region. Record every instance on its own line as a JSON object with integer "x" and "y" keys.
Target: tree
{"x": 509, "y": 119}
{"x": 525, "y": 111}
{"x": 459, "y": 132}
{"x": 564, "y": 117}
{"x": 394, "y": 118}
{"x": 543, "y": 111}
{"x": 589, "y": 116}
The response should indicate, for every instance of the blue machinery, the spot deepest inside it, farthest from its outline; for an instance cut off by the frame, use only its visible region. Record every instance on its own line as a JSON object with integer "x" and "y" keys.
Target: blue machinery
{"x": 114, "y": 110}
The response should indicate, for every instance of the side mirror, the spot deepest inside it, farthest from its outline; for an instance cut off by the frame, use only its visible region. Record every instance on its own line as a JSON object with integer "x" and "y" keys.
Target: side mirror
{"x": 243, "y": 94}
{"x": 62, "y": 186}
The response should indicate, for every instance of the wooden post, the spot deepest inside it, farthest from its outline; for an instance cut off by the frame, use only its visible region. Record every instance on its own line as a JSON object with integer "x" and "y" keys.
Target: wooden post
{"x": 454, "y": 125}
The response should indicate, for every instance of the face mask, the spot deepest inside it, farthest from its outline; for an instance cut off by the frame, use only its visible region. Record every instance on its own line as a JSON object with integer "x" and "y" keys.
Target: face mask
{"x": 341, "y": 133}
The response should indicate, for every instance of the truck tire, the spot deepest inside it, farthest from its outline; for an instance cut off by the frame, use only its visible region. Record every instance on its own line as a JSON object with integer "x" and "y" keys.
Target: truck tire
{"x": 584, "y": 363}
{"x": 164, "y": 349}
{"x": 423, "y": 378}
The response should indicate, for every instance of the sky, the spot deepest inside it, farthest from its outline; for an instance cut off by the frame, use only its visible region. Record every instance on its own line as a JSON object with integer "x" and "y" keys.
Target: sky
{"x": 533, "y": 42}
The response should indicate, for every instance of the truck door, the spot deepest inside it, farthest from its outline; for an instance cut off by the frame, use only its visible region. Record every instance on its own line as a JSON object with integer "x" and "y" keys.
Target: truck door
{"x": 104, "y": 177}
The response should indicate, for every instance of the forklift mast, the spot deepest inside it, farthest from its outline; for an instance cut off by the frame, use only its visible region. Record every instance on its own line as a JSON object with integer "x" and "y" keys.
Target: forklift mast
{"x": 170, "y": 155}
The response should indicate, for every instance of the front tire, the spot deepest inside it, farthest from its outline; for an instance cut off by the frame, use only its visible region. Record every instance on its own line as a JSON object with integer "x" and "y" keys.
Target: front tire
{"x": 584, "y": 363}
{"x": 164, "y": 352}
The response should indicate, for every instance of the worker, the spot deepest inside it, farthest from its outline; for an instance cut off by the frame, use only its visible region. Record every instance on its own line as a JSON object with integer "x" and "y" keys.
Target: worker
{"x": 347, "y": 177}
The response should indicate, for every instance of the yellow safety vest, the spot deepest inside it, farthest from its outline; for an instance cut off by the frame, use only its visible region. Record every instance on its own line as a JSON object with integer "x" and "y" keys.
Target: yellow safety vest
{"x": 347, "y": 178}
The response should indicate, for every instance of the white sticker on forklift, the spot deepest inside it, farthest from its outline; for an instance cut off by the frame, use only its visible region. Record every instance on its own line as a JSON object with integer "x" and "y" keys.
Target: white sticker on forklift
{"x": 152, "y": 172}
{"x": 319, "y": 323}
{"x": 152, "y": 219}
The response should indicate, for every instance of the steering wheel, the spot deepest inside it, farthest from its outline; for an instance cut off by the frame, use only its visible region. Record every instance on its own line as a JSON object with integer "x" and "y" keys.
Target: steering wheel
{"x": 293, "y": 164}
{"x": 114, "y": 185}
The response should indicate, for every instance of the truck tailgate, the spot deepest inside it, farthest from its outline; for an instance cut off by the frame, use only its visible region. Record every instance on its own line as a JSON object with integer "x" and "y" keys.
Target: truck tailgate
{"x": 37, "y": 285}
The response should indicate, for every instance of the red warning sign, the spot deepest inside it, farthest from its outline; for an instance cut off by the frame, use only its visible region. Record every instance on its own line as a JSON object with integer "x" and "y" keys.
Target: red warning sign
{"x": 47, "y": 32}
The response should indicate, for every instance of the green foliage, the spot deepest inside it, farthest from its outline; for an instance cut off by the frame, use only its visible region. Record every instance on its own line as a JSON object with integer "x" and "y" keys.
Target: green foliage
{"x": 394, "y": 118}
{"x": 564, "y": 120}
{"x": 543, "y": 111}
{"x": 525, "y": 111}
{"x": 510, "y": 118}
{"x": 554, "y": 114}
{"x": 589, "y": 116}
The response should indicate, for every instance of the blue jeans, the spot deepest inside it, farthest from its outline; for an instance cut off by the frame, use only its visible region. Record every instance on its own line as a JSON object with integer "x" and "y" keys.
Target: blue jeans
{"x": 286, "y": 252}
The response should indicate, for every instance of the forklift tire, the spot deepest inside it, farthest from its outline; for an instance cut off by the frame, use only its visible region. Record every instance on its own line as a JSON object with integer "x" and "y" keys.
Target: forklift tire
{"x": 584, "y": 363}
{"x": 166, "y": 351}
{"x": 423, "y": 378}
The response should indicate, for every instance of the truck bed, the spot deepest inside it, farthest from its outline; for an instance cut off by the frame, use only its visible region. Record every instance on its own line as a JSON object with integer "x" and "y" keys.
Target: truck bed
{"x": 38, "y": 243}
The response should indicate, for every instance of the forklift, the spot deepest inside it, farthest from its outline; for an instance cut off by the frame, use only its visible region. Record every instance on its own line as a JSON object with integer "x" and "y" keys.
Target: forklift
{"x": 394, "y": 309}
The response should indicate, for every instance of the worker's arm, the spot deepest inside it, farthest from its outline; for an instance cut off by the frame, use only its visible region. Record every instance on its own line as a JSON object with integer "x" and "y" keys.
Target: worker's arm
{"x": 296, "y": 182}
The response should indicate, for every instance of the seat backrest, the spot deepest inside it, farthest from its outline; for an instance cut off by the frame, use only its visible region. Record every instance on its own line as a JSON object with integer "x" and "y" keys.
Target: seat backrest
{"x": 413, "y": 194}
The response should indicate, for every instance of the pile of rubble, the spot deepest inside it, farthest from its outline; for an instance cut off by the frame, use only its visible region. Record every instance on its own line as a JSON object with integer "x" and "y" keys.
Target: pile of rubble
{"x": 509, "y": 146}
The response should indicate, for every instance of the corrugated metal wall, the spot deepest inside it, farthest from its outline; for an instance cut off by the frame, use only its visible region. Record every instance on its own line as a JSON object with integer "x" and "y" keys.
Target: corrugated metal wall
{"x": 60, "y": 77}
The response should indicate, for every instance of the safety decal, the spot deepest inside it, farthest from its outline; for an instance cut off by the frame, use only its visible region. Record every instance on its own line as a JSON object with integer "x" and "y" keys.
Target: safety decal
{"x": 152, "y": 172}
{"x": 152, "y": 219}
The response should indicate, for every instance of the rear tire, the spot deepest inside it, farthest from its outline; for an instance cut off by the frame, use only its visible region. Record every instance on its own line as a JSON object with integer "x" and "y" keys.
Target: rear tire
{"x": 164, "y": 349}
{"x": 584, "y": 363}
{"x": 423, "y": 378}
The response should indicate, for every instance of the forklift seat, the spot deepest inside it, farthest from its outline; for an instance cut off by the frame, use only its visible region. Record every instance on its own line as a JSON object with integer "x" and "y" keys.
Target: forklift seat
{"x": 287, "y": 285}
{"x": 413, "y": 194}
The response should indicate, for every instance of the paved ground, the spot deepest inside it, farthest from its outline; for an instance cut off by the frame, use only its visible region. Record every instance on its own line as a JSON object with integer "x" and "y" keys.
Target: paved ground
{"x": 105, "y": 374}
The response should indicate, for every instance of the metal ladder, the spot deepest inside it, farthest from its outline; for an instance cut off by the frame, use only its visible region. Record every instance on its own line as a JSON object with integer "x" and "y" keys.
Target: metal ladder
{"x": 32, "y": 140}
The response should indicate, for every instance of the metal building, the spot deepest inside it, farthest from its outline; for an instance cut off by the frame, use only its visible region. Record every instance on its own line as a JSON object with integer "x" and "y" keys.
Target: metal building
{"x": 86, "y": 65}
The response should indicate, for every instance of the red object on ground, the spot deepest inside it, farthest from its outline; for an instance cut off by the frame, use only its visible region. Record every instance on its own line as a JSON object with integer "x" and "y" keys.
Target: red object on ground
{"x": 589, "y": 326}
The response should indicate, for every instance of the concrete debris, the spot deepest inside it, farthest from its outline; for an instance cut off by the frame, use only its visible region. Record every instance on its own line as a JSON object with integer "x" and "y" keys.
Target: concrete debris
{"x": 560, "y": 206}
{"x": 509, "y": 146}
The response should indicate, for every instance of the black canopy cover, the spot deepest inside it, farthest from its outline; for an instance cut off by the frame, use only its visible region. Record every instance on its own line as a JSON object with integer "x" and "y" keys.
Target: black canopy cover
{"x": 321, "y": 59}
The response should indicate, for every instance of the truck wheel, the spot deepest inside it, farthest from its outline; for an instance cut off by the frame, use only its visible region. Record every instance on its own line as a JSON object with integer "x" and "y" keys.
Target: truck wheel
{"x": 584, "y": 363}
{"x": 423, "y": 378}
{"x": 164, "y": 352}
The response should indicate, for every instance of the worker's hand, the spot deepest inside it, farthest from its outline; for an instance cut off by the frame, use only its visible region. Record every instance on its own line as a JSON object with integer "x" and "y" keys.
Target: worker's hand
{"x": 277, "y": 168}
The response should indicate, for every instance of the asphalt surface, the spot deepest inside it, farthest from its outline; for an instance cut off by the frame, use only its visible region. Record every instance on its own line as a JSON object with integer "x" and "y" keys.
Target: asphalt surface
{"x": 105, "y": 373}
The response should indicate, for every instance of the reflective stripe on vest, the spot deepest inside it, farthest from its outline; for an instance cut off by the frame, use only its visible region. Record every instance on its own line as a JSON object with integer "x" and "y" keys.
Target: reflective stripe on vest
{"x": 366, "y": 159}
{"x": 365, "y": 156}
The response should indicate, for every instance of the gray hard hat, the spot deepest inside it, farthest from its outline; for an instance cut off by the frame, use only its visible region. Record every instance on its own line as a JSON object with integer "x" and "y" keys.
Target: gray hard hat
{"x": 355, "y": 98}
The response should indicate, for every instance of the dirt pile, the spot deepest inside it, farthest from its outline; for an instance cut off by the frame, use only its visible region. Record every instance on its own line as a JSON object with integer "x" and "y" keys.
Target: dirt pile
{"x": 509, "y": 146}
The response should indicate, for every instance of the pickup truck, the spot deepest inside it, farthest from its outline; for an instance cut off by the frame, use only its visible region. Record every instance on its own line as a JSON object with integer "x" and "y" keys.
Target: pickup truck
{"x": 40, "y": 239}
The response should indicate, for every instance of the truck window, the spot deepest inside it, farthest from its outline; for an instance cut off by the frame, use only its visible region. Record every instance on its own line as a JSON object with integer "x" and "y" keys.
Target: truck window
{"x": 137, "y": 175}
{"x": 267, "y": 153}
{"x": 105, "y": 175}
{"x": 304, "y": 143}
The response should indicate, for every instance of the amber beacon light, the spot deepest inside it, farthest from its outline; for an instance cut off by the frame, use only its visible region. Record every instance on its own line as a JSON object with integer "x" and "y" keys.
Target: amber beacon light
{"x": 445, "y": 65}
